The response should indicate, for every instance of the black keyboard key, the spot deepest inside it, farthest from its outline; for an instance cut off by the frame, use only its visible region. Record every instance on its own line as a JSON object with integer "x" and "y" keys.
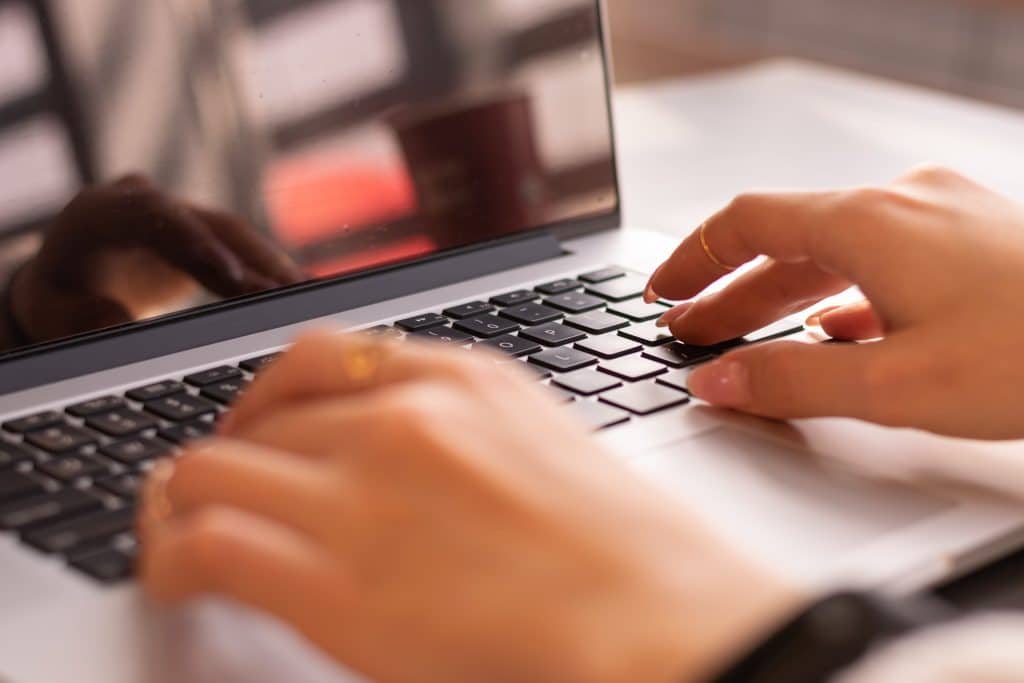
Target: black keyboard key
{"x": 109, "y": 565}
{"x": 71, "y": 468}
{"x": 587, "y": 382}
{"x": 76, "y": 535}
{"x": 473, "y": 308}
{"x": 513, "y": 346}
{"x": 609, "y": 346}
{"x": 14, "y": 485}
{"x": 213, "y": 375}
{"x": 95, "y": 405}
{"x": 12, "y": 454}
{"x": 136, "y": 451}
{"x": 486, "y": 326}
{"x": 520, "y": 296}
{"x": 127, "y": 486}
{"x": 188, "y": 431}
{"x": 563, "y": 360}
{"x": 633, "y": 368}
{"x": 258, "y": 363}
{"x": 574, "y": 302}
{"x": 597, "y": 322}
{"x": 598, "y": 415}
{"x": 638, "y": 311}
{"x": 47, "y": 509}
{"x": 620, "y": 289}
{"x": 61, "y": 438}
{"x": 120, "y": 423}
{"x": 156, "y": 390}
{"x": 679, "y": 355}
{"x": 552, "y": 334}
{"x": 445, "y": 335}
{"x": 30, "y": 423}
{"x": 603, "y": 275}
{"x": 225, "y": 392}
{"x": 559, "y": 286}
{"x": 677, "y": 379}
{"x": 181, "y": 407}
{"x": 531, "y": 314}
{"x": 648, "y": 334}
{"x": 645, "y": 398}
{"x": 422, "y": 322}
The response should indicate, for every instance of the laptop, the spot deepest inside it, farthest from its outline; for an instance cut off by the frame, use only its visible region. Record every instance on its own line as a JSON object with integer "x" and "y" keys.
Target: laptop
{"x": 185, "y": 187}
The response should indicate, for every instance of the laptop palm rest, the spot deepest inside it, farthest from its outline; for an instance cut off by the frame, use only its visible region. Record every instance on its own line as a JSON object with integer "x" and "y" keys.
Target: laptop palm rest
{"x": 787, "y": 507}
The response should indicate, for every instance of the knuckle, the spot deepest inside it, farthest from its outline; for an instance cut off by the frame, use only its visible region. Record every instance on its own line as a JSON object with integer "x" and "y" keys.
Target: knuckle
{"x": 745, "y": 203}
{"x": 932, "y": 173}
{"x": 414, "y": 409}
{"x": 867, "y": 200}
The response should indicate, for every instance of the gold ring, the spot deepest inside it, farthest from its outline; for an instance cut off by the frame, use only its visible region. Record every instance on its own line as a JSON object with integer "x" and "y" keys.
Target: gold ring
{"x": 361, "y": 361}
{"x": 710, "y": 254}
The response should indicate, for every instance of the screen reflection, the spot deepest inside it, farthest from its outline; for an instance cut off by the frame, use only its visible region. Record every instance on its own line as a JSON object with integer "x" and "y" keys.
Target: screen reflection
{"x": 160, "y": 155}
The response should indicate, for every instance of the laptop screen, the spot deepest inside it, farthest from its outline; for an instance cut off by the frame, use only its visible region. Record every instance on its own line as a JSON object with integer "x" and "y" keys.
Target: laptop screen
{"x": 159, "y": 156}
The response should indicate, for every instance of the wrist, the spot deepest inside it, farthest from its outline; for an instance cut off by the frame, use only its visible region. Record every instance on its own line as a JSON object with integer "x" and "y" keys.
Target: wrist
{"x": 685, "y": 624}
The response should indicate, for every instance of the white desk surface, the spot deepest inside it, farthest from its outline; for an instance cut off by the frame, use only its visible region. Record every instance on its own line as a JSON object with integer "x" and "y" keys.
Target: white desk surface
{"x": 687, "y": 146}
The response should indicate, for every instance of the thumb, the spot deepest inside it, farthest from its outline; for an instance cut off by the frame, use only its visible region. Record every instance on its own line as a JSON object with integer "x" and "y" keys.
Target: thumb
{"x": 798, "y": 380}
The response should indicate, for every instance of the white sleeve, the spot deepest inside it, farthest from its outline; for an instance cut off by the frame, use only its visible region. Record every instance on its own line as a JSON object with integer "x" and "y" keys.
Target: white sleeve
{"x": 987, "y": 648}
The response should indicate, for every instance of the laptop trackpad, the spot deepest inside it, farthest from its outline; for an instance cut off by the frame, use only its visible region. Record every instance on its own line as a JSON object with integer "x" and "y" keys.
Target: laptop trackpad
{"x": 789, "y": 508}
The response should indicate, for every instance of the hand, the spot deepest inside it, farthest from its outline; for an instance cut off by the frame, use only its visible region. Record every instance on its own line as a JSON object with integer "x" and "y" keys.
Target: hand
{"x": 941, "y": 262}
{"x": 124, "y": 251}
{"x": 426, "y": 514}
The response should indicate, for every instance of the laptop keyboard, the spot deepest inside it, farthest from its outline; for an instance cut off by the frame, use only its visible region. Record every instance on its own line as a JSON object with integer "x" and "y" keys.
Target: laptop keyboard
{"x": 69, "y": 479}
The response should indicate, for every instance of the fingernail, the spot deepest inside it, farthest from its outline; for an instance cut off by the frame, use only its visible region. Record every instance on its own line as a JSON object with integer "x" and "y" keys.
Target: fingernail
{"x": 813, "y": 321}
{"x": 673, "y": 314}
{"x": 721, "y": 383}
{"x": 650, "y": 296}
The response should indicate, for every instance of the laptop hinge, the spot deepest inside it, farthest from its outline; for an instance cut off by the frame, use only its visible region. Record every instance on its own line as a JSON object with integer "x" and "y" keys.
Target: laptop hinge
{"x": 81, "y": 356}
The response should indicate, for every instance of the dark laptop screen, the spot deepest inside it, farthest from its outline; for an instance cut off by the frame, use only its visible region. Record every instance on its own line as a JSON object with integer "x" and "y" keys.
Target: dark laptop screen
{"x": 161, "y": 155}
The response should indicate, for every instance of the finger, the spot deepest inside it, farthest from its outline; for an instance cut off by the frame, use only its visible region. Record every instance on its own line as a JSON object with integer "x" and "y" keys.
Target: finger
{"x": 796, "y": 380}
{"x": 242, "y": 556}
{"x": 258, "y": 479}
{"x": 835, "y": 230}
{"x": 255, "y": 251}
{"x": 326, "y": 364}
{"x": 134, "y": 214}
{"x": 854, "y": 322}
{"x": 754, "y": 300}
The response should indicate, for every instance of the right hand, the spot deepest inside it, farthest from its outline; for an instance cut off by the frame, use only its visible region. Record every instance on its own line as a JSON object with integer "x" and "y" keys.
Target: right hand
{"x": 124, "y": 250}
{"x": 941, "y": 262}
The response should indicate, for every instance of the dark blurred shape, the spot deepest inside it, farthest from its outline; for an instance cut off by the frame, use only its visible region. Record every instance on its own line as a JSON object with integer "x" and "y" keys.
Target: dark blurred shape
{"x": 474, "y": 164}
{"x": 343, "y": 135}
{"x": 123, "y": 251}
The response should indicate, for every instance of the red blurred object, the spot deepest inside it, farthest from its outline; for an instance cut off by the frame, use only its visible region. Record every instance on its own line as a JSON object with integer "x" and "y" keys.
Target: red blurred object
{"x": 411, "y": 247}
{"x": 313, "y": 200}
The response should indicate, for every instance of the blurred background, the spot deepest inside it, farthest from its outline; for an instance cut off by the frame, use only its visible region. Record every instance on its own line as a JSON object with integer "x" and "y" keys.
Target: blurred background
{"x": 969, "y": 47}
{"x": 77, "y": 77}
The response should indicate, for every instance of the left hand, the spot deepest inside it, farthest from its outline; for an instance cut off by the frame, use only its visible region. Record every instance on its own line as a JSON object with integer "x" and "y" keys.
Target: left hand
{"x": 427, "y": 514}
